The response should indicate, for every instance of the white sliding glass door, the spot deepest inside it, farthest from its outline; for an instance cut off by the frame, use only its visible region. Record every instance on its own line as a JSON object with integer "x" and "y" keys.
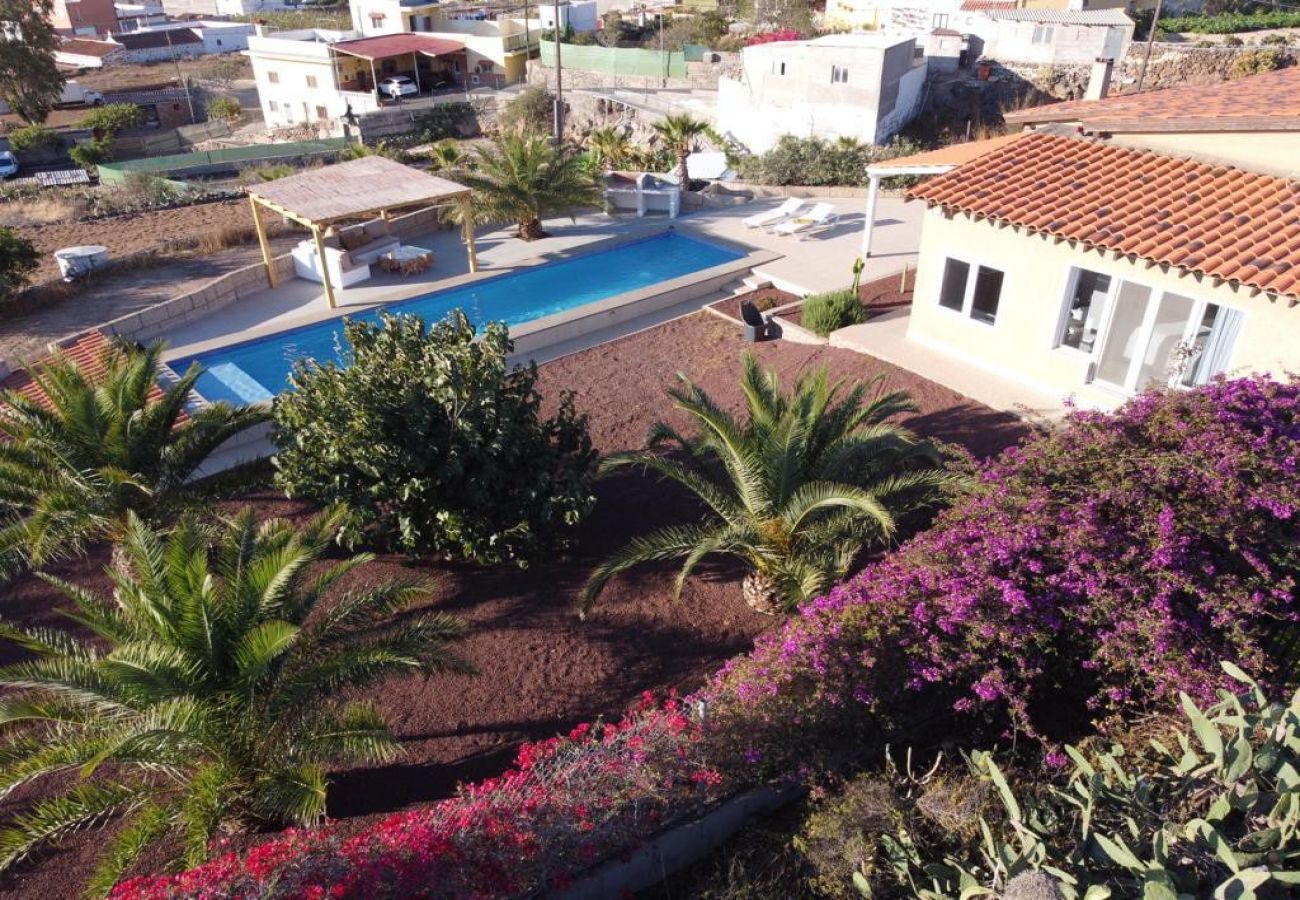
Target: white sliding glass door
{"x": 1123, "y": 334}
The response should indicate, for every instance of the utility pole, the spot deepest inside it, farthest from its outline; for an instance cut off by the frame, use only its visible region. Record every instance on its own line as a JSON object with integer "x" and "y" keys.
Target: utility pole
{"x": 189, "y": 101}
{"x": 559, "y": 98}
{"x": 663, "y": 63}
{"x": 1151, "y": 39}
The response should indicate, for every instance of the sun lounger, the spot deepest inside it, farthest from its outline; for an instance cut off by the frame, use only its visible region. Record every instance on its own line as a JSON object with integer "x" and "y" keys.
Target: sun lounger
{"x": 820, "y": 217}
{"x": 775, "y": 216}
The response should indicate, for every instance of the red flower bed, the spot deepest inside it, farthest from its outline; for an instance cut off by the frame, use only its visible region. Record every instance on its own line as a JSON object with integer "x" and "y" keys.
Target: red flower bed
{"x": 570, "y": 802}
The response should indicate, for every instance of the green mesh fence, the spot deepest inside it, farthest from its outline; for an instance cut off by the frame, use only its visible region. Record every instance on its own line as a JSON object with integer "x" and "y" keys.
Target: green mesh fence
{"x": 617, "y": 60}
{"x": 180, "y": 164}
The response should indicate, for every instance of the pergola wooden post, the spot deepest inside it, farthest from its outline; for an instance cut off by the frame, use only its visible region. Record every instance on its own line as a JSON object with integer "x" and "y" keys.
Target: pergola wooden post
{"x": 271, "y": 279}
{"x": 467, "y": 229}
{"x": 350, "y": 191}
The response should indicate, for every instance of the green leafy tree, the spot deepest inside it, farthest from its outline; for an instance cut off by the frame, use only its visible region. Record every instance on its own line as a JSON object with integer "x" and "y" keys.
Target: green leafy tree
{"x": 435, "y": 443}
{"x": 113, "y": 118}
{"x": 33, "y": 138}
{"x": 211, "y": 697}
{"x": 796, "y": 492}
{"x": 107, "y": 443}
{"x": 30, "y": 81}
{"x": 681, "y": 134}
{"x": 18, "y": 259}
{"x": 224, "y": 108}
{"x": 523, "y": 177}
{"x": 531, "y": 110}
{"x": 609, "y": 145}
{"x": 92, "y": 153}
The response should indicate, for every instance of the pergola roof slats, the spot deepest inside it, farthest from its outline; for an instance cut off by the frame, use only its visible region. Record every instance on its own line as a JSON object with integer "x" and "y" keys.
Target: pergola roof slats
{"x": 355, "y": 189}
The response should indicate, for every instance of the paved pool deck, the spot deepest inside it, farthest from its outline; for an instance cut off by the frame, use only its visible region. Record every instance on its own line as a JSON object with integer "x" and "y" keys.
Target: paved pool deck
{"x": 819, "y": 262}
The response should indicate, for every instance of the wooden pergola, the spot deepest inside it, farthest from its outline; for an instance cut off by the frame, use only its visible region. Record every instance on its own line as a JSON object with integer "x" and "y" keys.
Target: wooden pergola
{"x": 359, "y": 189}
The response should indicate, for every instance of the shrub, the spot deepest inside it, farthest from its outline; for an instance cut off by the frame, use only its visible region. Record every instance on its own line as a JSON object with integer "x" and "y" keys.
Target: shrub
{"x": 446, "y": 120}
{"x": 33, "y": 139}
{"x": 1256, "y": 62}
{"x": 569, "y": 803}
{"x": 18, "y": 259}
{"x": 1101, "y": 566}
{"x": 112, "y": 118}
{"x": 220, "y": 671}
{"x": 265, "y": 172}
{"x": 1211, "y": 808}
{"x": 435, "y": 443}
{"x": 824, "y": 313}
{"x": 817, "y": 162}
{"x": 224, "y": 108}
{"x": 92, "y": 153}
{"x": 1230, "y": 23}
{"x": 532, "y": 109}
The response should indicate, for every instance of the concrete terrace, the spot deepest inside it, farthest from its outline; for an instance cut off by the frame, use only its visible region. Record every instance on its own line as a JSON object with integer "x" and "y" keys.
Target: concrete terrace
{"x": 821, "y": 262}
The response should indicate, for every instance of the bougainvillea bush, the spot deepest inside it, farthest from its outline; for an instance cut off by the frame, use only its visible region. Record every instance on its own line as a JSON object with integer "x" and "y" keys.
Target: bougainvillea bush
{"x": 570, "y": 802}
{"x": 1099, "y": 568}
{"x": 1110, "y": 562}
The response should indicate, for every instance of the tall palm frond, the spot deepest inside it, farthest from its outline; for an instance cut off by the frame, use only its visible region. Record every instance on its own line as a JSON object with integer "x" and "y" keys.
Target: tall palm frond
{"x": 211, "y": 698}
{"x": 103, "y": 442}
{"x": 680, "y": 133}
{"x": 523, "y": 178}
{"x": 609, "y": 145}
{"x": 797, "y": 491}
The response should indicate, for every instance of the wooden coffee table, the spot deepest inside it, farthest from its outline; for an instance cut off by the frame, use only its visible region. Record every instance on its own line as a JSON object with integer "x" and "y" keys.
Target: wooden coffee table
{"x": 407, "y": 260}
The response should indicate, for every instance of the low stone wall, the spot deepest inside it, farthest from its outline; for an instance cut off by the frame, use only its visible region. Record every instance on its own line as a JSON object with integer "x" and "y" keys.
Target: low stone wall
{"x": 236, "y": 285}
{"x": 1171, "y": 65}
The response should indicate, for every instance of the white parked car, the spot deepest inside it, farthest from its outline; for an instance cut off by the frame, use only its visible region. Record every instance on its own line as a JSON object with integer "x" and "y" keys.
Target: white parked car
{"x": 398, "y": 86}
{"x": 8, "y": 165}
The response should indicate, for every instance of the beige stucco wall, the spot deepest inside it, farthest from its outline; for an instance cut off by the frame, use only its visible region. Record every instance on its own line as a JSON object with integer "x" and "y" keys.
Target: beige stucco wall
{"x": 1020, "y": 344}
{"x": 1273, "y": 152}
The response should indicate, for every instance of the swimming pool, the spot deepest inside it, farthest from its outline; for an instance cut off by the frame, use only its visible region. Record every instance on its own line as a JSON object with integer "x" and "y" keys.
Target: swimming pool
{"x": 257, "y": 370}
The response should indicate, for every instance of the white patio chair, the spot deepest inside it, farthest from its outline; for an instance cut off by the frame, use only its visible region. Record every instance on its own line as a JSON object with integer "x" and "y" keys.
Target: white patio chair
{"x": 775, "y": 216}
{"x": 819, "y": 218}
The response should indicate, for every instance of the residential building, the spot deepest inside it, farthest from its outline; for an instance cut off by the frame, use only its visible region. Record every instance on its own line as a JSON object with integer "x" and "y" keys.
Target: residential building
{"x": 85, "y": 18}
{"x": 1081, "y": 268}
{"x": 1251, "y": 122}
{"x": 300, "y": 78}
{"x": 180, "y": 8}
{"x": 197, "y": 38}
{"x": 88, "y": 53}
{"x": 1049, "y": 37}
{"x": 860, "y": 86}
{"x": 131, "y": 16}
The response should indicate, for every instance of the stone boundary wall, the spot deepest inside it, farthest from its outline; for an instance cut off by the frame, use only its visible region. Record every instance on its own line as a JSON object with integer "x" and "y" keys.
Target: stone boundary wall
{"x": 1172, "y": 65}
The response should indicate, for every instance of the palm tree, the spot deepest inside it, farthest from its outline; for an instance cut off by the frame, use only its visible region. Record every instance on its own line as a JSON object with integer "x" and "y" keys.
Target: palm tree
{"x": 210, "y": 698}
{"x": 524, "y": 177}
{"x": 108, "y": 441}
{"x": 796, "y": 492}
{"x": 447, "y": 155}
{"x": 609, "y": 145}
{"x": 680, "y": 134}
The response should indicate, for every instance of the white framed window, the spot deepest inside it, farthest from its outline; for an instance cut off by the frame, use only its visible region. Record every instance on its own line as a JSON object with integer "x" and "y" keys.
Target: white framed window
{"x": 1087, "y": 299}
{"x": 778, "y": 68}
{"x": 311, "y": 81}
{"x": 273, "y": 77}
{"x": 273, "y": 106}
{"x": 1043, "y": 34}
{"x": 839, "y": 75}
{"x": 1142, "y": 337}
{"x": 971, "y": 290}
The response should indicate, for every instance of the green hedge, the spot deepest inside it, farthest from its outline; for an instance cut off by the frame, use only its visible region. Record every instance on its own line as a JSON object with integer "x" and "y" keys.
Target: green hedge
{"x": 1231, "y": 23}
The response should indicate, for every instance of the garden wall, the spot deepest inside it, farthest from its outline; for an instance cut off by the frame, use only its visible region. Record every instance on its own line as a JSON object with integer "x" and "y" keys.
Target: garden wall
{"x": 701, "y": 75}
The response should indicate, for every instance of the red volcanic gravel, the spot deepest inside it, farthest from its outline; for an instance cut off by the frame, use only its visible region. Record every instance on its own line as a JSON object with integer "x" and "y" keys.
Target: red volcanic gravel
{"x": 542, "y": 670}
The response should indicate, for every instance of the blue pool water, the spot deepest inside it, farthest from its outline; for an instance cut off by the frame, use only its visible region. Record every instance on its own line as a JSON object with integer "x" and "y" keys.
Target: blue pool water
{"x": 259, "y": 369}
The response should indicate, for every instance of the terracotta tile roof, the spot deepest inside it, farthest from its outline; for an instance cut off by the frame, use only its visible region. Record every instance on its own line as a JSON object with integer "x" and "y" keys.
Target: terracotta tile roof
{"x": 88, "y": 47}
{"x": 1261, "y": 102}
{"x": 87, "y": 351}
{"x": 1218, "y": 221}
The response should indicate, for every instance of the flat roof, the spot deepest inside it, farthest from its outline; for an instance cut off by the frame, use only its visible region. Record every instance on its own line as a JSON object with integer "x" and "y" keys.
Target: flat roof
{"x": 1062, "y": 16}
{"x": 355, "y": 189}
